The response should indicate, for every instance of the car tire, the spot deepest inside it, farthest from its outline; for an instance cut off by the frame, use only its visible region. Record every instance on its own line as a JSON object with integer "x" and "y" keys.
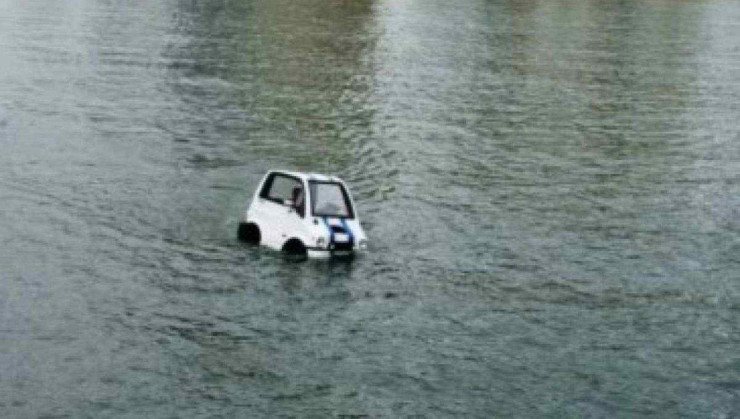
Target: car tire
{"x": 295, "y": 248}
{"x": 249, "y": 233}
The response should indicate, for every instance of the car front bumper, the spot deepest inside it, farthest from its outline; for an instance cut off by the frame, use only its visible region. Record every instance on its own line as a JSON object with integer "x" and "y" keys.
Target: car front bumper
{"x": 324, "y": 253}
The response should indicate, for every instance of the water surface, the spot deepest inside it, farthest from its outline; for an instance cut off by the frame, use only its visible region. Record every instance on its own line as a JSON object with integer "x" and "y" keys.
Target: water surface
{"x": 551, "y": 190}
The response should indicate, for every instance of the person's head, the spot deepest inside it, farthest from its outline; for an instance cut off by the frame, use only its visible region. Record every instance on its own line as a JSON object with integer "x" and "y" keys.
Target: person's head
{"x": 297, "y": 195}
{"x": 298, "y": 199}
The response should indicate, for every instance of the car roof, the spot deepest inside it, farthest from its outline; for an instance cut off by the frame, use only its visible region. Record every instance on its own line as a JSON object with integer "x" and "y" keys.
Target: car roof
{"x": 309, "y": 176}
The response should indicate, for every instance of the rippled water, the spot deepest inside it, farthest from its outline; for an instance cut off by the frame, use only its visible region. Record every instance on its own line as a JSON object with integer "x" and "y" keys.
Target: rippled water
{"x": 551, "y": 189}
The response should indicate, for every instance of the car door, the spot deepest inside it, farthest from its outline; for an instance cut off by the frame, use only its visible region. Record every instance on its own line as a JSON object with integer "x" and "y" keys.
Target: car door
{"x": 284, "y": 220}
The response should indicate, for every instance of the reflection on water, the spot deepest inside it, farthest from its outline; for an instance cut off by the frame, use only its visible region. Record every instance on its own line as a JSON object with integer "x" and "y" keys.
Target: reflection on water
{"x": 297, "y": 71}
{"x": 551, "y": 190}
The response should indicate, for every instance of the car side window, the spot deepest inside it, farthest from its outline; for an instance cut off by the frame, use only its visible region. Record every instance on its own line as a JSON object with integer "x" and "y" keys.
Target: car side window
{"x": 284, "y": 190}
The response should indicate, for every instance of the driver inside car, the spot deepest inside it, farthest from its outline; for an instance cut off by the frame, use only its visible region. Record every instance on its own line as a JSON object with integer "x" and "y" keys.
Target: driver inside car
{"x": 298, "y": 200}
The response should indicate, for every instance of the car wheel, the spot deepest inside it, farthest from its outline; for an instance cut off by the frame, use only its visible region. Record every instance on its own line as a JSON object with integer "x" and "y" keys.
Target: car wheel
{"x": 295, "y": 248}
{"x": 249, "y": 232}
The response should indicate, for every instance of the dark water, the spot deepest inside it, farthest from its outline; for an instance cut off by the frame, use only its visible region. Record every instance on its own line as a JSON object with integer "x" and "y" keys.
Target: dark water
{"x": 551, "y": 190}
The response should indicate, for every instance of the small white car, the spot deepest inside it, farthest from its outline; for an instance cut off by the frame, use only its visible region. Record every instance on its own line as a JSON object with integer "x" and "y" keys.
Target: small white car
{"x": 303, "y": 214}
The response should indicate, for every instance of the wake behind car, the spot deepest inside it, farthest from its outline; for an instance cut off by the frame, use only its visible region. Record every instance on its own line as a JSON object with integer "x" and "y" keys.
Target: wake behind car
{"x": 303, "y": 214}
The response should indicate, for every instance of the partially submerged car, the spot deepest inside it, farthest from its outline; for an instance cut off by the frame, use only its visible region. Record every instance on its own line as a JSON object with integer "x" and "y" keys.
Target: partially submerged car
{"x": 303, "y": 214}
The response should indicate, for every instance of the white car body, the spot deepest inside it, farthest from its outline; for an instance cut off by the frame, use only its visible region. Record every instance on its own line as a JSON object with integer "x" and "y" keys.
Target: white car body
{"x": 322, "y": 223}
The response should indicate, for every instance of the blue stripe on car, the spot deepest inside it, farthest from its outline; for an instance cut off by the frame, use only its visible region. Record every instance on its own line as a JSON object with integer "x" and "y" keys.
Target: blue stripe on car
{"x": 347, "y": 230}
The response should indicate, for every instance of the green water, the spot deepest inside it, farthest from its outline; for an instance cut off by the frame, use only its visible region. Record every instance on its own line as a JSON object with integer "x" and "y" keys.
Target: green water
{"x": 551, "y": 191}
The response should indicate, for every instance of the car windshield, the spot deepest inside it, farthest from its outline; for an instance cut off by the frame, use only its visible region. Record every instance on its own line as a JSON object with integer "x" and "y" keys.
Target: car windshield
{"x": 329, "y": 199}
